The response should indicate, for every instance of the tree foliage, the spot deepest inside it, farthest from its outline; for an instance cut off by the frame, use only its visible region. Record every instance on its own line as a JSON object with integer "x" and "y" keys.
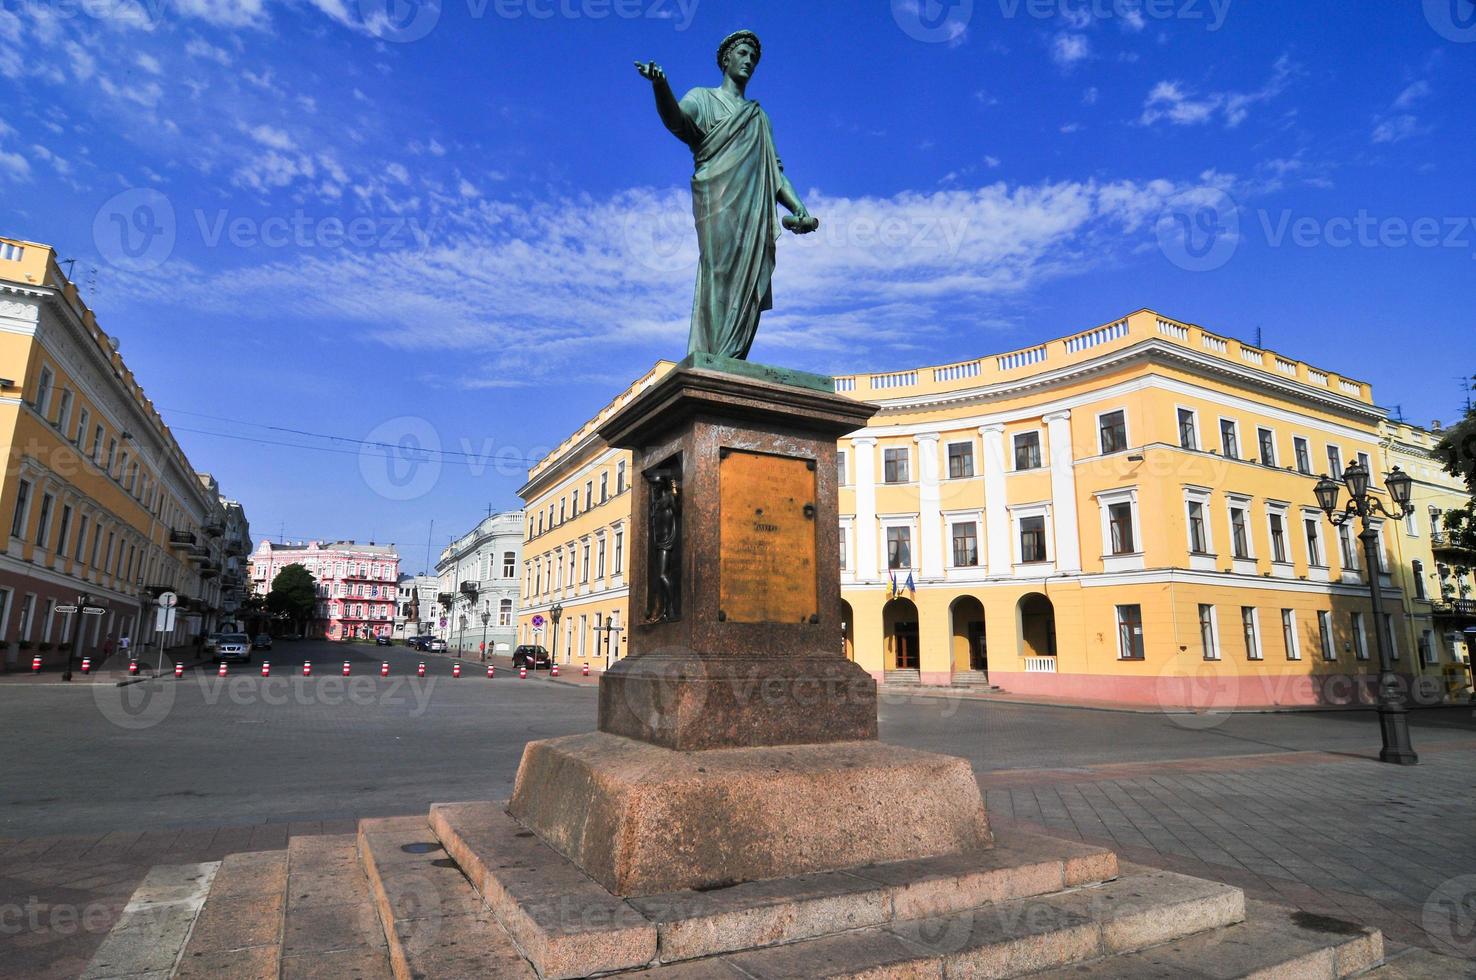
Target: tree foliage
{"x": 294, "y": 593}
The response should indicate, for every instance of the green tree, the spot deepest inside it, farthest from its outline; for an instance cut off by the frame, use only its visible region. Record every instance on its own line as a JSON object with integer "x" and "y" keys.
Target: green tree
{"x": 1457, "y": 451}
{"x": 294, "y": 594}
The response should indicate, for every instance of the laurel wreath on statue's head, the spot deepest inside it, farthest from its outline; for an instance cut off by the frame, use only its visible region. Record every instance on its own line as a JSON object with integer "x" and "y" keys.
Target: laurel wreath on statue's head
{"x": 732, "y": 40}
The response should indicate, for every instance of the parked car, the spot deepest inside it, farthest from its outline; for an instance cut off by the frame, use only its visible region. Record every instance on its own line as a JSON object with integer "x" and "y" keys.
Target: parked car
{"x": 212, "y": 643}
{"x": 437, "y": 645}
{"x": 417, "y": 642}
{"x": 382, "y": 640}
{"x": 262, "y": 642}
{"x": 531, "y": 655}
{"x": 233, "y": 646}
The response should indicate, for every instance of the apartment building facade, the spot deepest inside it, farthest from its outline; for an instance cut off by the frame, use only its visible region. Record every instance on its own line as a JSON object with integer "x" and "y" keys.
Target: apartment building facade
{"x": 100, "y": 498}
{"x": 357, "y": 584}
{"x": 478, "y": 594}
{"x": 1122, "y": 514}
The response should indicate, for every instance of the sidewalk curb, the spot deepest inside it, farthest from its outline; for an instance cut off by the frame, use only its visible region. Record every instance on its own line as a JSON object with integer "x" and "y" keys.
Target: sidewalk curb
{"x": 945, "y": 693}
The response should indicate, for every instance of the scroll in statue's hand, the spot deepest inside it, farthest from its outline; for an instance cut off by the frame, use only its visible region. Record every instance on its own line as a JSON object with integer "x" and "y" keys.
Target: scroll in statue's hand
{"x": 801, "y": 224}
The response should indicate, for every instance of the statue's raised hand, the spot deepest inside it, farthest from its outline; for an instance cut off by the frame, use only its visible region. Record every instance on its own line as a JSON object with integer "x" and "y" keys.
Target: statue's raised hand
{"x": 650, "y": 71}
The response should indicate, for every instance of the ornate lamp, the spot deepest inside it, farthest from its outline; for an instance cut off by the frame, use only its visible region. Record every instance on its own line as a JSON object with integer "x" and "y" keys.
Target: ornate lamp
{"x": 1355, "y": 478}
{"x": 1327, "y": 494}
{"x": 1399, "y": 484}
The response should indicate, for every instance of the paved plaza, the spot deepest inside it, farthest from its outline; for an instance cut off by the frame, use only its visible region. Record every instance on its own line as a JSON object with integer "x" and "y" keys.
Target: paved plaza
{"x": 1291, "y": 807}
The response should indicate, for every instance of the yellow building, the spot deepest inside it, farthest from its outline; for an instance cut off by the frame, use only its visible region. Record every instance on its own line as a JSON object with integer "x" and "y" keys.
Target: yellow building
{"x": 1435, "y": 575}
{"x": 1122, "y": 514}
{"x": 99, "y": 497}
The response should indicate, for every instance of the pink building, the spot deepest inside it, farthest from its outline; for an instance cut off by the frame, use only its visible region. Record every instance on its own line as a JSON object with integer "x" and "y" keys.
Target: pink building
{"x": 356, "y": 584}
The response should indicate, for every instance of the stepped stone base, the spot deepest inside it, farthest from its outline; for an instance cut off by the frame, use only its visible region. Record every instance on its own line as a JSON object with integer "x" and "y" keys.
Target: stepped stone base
{"x": 642, "y": 820}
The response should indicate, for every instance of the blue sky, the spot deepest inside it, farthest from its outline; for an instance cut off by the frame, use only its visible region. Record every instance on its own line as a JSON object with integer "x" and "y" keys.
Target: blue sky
{"x": 461, "y": 224}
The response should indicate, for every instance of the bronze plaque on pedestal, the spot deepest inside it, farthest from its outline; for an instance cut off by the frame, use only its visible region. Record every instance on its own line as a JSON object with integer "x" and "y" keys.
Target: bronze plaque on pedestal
{"x": 766, "y": 554}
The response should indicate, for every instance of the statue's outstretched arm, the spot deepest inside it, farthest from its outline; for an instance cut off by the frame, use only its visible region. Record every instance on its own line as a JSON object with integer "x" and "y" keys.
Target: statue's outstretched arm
{"x": 667, "y": 105}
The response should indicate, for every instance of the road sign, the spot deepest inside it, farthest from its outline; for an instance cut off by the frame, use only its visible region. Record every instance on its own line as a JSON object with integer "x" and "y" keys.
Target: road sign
{"x": 65, "y": 609}
{"x": 168, "y": 600}
{"x": 538, "y": 622}
{"x": 93, "y": 610}
{"x": 164, "y": 619}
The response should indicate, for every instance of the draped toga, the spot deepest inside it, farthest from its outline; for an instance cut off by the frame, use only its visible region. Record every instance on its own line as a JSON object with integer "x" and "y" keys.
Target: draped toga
{"x": 734, "y": 190}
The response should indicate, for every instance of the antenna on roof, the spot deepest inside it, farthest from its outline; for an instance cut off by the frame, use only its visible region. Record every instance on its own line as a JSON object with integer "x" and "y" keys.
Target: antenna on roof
{"x": 1258, "y": 338}
{"x": 1397, "y": 411}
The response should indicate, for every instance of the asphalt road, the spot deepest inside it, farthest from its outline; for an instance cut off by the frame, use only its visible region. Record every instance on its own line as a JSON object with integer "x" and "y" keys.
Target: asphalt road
{"x": 247, "y": 749}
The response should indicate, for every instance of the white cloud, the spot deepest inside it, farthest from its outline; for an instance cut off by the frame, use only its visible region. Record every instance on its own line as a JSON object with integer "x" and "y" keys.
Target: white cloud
{"x": 272, "y": 137}
{"x": 1068, "y": 49}
{"x": 1090, "y": 96}
{"x": 1412, "y": 94}
{"x": 1069, "y": 128}
{"x": 197, "y": 48}
{"x": 83, "y": 64}
{"x": 1132, "y": 20}
{"x": 991, "y": 162}
{"x": 1396, "y": 128}
{"x": 224, "y": 13}
{"x": 148, "y": 63}
{"x": 1171, "y": 101}
{"x": 466, "y": 189}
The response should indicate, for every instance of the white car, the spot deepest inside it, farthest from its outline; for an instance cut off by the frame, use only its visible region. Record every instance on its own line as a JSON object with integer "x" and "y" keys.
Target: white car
{"x": 437, "y": 646}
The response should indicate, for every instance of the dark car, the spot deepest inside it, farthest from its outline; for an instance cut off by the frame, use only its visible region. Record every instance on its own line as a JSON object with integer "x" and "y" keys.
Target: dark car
{"x": 532, "y": 656}
{"x": 263, "y": 641}
{"x": 417, "y": 642}
{"x": 382, "y": 640}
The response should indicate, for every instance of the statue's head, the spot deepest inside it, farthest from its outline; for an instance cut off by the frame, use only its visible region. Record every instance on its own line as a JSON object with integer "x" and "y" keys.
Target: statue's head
{"x": 739, "y": 54}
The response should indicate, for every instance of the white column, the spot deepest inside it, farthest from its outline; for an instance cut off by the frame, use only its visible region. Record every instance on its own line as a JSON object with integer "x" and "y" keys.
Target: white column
{"x": 929, "y": 517}
{"x": 996, "y": 505}
{"x": 1063, "y": 492}
{"x": 865, "y": 453}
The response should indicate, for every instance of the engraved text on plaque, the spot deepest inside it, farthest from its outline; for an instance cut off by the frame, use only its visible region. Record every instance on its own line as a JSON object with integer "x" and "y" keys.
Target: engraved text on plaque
{"x": 766, "y": 564}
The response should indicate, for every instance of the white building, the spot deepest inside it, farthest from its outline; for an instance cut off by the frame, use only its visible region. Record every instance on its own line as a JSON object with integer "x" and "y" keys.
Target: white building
{"x": 478, "y": 586}
{"x": 416, "y": 609}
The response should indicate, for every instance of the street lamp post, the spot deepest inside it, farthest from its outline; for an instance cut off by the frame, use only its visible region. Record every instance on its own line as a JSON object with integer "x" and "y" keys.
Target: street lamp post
{"x": 1393, "y": 716}
{"x": 556, "y": 613}
{"x": 486, "y": 617}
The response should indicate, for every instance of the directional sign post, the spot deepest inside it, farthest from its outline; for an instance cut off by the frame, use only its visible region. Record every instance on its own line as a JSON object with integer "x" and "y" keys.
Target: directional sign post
{"x": 164, "y": 621}
{"x": 64, "y": 609}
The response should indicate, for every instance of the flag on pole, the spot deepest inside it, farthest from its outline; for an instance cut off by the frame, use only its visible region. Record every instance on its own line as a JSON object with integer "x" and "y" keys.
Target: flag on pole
{"x": 911, "y": 586}
{"x": 894, "y": 586}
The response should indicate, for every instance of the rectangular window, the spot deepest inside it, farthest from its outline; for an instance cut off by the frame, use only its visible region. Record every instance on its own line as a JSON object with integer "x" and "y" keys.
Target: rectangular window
{"x": 28, "y": 609}
{"x": 63, "y": 529}
{"x": 965, "y": 545}
{"x": 563, "y": 510}
{"x": 1278, "y": 537}
{"x": 1334, "y": 462}
{"x": 1427, "y": 645}
{"x": 1112, "y": 427}
{"x": 1417, "y": 575}
{"x": 1289, "y": 634}
{"x": 600, "y": 559}
{"x": 584, "y": 566}
{"x": 840, "y": 468}
{"x": 504, "y": 612}
{"x": 112, "y": 455}
{"x": 1198, "y": 533}
{"x": 1207, "y": 632}
{"x": 1266, "y": 442}
{"x": 82, "y": 419}
{"x": 604, "y": 487}
{"x": 43, "y": 520}
{"x": 64, "y": 410}
{"x": 1314, "y": 541}
{"x": 509, "y": 564}
{"x": 1120, "y": 524}
{"x": 1032, "y": 539}
{"x": 894, "y": 466}
{"x": 1324, "y": 635}
{"x": 1248, "y": 627}
{"x": 1027, "y": 450}
{"x": 22, "y": 500}
{"x": 1388, "y": 622}
{"x": 97, "y": 436}
{"x": 1304, "y": 458}
{"x": 1130, "y": 632}
{"x": 620, "y": 477}
{"x": 843, "y": 549}
{"x": 1229, "y": 441}
{"x": 42, "y": 403}
{"x": 81, "y": 537}
{"x": 1367, "y": 467}
{"x": 1188, "y": 432}
{"x": 899, "y": 547}
{"x": 589, "y": 494}
{"x": 1239, "y": 538}
{"x": 1360, "y": 640}
{"x": 960, "y": 460}
{"x": 1345, "y": 542}
{"x": 620, "y": 552}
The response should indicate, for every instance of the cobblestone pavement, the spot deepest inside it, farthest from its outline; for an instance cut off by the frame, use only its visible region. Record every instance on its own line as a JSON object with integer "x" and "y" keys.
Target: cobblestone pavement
{"x": 1291, "y": 807}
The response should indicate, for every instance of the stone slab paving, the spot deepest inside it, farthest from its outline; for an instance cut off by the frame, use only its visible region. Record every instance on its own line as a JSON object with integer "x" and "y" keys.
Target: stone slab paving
{"x": 1341, "y": 835}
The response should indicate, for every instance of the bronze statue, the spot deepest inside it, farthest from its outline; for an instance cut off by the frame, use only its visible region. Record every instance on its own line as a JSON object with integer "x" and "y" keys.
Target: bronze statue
{"x": 738, "y": 178}
{"x": 665, "y": 516}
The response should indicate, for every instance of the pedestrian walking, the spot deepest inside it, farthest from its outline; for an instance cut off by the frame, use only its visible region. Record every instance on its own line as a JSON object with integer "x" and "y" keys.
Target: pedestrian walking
{"x": 107, "y": 647}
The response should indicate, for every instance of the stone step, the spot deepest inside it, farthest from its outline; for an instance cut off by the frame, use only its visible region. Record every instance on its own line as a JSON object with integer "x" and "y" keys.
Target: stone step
{"x": 569, "y": 925}
{"x": 238, "y": 932}
{"x": 435, "y": 923}
{"x": 148, "y": 937}
{"x": 1413, "y": 963}
{"x": 970, "y": 678}
{"x": 1006, "y": 939}
{"x": 331, "y": 927}
{"x": 902, "y": 678}
{"x": 1272, "y": 941}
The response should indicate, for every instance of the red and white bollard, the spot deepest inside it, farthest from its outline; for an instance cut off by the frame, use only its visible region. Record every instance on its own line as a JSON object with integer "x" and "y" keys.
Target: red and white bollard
{"x": 384, "y": 669}
{"x": 491, "y": 671}
{"x": 456, "y": 670}
{"x": 178, "y": 671}
{"x": 266, "y": 668}
{"x": 420, "y": 671}
{"x": 307, "y": 668}
{"x": 86, "y": 665}
{"x": 133, "y": 666}
{"x": 585, "y": 671}
{"x": 345, "y": 668}
{"x": 36, "y": 663}
{"x": 553, "y": 671}
{"x": 221, "y": 672}
{"x": 523, "y": 671}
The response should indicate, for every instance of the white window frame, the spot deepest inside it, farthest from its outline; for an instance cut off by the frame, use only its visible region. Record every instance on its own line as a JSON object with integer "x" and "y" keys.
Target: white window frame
{"x": 1019, "y": 512}
{"x": 1325, "y": 636}
{"x": 1213, "y": 653}
{"x": 1255, "y": 624}
{"x": 848, "y": 548}
{"x": 1040, "y": 442}
{"x": 843, "y": 467}
{"x": 1307, "y": 442}
{"x": 976, "y": 518}
{"x": 1220, "y": 433}
{"x": 1289, "y": 633}
{"x": 1127, "y": 431}
{"x": 1282, "y": 509}
{"x": 907, "y": 455}
{"x": 1198, "y": 432}
{"x": 885, "y": 522}
{"x": 1200, "y": 561}
{"x": 1122, "y": 654}
{"x": 1128, "y": 561}
{"x": 1247, "y": 564}
{"x": 1389, "y": 635}
{"x": 1431, "y": 657}
{"x": 973, "y": 459}
{"x": 1360, "y": 635}
{"x": 1275, "y": 451}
